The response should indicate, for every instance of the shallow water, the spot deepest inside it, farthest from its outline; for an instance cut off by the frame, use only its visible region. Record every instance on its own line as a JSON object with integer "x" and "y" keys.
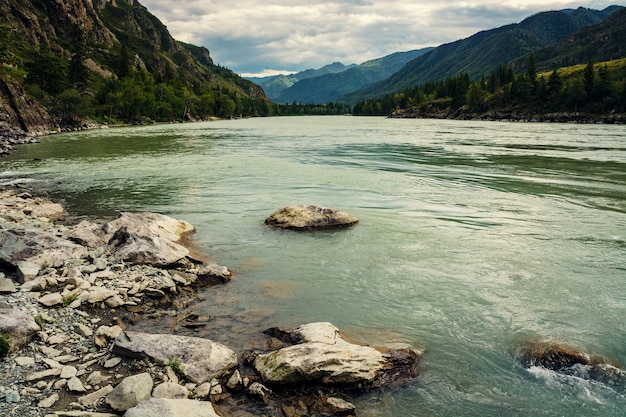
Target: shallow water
{"x": 474, "y": 237}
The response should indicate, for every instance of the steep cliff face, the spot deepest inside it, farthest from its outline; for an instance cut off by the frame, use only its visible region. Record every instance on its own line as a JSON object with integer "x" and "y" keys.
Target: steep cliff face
{"x": 21, "y": 112}
{"x": 45, "y": 23}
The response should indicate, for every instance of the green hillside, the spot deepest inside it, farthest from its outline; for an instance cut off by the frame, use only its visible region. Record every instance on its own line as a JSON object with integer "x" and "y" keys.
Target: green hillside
{"x": 110, "y": 61}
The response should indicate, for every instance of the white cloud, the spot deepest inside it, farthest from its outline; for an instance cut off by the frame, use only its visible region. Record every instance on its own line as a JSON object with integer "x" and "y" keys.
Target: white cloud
{"x": 255, "y": 37}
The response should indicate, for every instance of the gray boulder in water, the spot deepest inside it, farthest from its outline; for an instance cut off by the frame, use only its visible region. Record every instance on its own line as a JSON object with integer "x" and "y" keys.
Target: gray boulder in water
{"x": 300, "y": 217}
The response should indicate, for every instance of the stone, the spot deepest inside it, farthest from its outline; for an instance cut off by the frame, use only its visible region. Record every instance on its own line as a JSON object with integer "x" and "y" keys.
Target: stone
{"x": 74, "y": 385}
{"x": 301, "y": 218}
{"x": 50, "y": 352}
{"x": 19, "y": 326}
{"x": 41, "y": 248}
{"x": 235, "y": 381}
{"x": 36, "y": 376}
{"x": 68, "y": 372}
{"x": 170, "y": 390}
{"x": 200, "y": 359}
{"x": 115, "y": 301}
{"x": 57, "y": 339}
{"x": 164, "y": 407}
{"x": 333, "y": 406}
{"x": 87, "y": 234}
{"x": 99, "y": 294}
{"x": 211, "y": 274}
{"x": 81, "y": 413}
{"x": 259, "y": 390}
{"x": 203, "y": 390}
{"x": 323, "y": 356}
{"x": 112, "y": 363}
{"x": 91, "y": 399}
{"x": 96, "y": 378}
{"x": 105, "y": 333}
{"x": 49, "y": 401}
{"x": 27, "y": 271}
{"x": 130, "y": 392}
{"x": 83, "y": 330}
{"x": 147, "y": 238}
{"x": 7, "y": 286}
{"x": 12, "y": 397}
{"x": 25, "y": 361}
{"x": 51, "y": 300}
{"x": 48, "y": 210}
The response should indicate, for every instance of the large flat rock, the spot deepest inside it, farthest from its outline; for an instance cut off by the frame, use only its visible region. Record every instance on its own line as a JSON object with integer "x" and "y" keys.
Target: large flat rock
{"x": 147, "y": 238}
{"x": 200, "y": 359}
{"x": 323, "y": 356}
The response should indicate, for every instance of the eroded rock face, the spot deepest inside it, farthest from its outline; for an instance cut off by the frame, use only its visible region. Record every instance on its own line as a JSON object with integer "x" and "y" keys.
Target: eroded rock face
{"x": 200, "y": 359}
{"x": 300, "y": 217}
{"x": 570, "y": 361}
{"x": 323, "y": 356}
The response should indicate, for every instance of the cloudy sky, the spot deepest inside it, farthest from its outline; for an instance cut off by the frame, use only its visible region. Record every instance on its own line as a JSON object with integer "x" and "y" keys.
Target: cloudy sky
{"x": 254, "y": 37}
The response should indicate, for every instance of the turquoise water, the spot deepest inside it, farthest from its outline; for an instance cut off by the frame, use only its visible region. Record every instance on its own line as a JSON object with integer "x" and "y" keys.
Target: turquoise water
{"x": 474, "y": 238}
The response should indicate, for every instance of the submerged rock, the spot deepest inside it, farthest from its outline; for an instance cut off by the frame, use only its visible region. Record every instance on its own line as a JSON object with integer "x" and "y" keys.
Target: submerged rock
{"x": 570, "y": 361}
{"x": 198, "y": 359}
{"x": 300, "y": 217}
{"x": 321, "y": 355}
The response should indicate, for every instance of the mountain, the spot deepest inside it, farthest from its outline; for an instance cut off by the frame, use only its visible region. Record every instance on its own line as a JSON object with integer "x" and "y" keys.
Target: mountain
{"x": 485, "y": 50}
{"x": 328, "y": 88}
{"x": 111, "y": 60}
{"x": 275, "y": 85}
{"x": 604, "y": 41}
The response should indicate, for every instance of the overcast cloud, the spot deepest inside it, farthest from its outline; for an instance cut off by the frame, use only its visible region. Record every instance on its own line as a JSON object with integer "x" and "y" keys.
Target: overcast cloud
{"x": 254, "y": 37}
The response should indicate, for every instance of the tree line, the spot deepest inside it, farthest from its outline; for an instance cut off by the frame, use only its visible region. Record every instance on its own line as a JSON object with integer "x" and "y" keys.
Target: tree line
{"x": 595, "y": 88}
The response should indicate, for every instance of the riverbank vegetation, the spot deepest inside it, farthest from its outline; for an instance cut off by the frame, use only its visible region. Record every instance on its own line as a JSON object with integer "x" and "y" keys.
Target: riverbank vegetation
{"x": 594, "y": 88}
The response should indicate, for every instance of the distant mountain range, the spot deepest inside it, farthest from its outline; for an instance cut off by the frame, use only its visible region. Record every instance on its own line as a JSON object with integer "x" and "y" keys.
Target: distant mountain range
{"x": 476, "y": 55}
{"x": 329, "y": 83}
{"x": 274, "y": 85}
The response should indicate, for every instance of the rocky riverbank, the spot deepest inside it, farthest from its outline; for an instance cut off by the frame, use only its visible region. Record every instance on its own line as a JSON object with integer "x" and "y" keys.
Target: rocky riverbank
{"x": 510, "y": 115}
{"x": 68, "y": 294}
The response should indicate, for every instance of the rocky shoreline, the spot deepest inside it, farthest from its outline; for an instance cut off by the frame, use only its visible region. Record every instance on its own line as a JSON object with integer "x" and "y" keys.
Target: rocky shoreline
{"x": 511, "y": 115}
{"x": 68, "y": 293}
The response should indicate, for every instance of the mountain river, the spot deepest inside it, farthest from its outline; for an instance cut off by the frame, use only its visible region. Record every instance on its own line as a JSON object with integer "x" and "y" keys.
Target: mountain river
{"x": 474, "y": 238}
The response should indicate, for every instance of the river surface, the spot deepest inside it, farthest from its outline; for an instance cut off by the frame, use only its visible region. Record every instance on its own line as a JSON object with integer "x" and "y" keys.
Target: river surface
{"x": 474, "y": 238}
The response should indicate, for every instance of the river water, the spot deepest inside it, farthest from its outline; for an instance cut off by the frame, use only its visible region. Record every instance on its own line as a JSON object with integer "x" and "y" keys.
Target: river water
{"x": 474, "y": 238}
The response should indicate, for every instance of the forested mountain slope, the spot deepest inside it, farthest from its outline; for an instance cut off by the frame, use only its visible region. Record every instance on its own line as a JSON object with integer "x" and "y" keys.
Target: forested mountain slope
{"x": 484, "y": 51}
{"x": 111, "y": 60}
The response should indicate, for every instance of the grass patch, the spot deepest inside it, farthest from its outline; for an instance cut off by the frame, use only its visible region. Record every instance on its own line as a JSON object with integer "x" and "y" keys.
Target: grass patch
{"x": 5, "y": 344}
